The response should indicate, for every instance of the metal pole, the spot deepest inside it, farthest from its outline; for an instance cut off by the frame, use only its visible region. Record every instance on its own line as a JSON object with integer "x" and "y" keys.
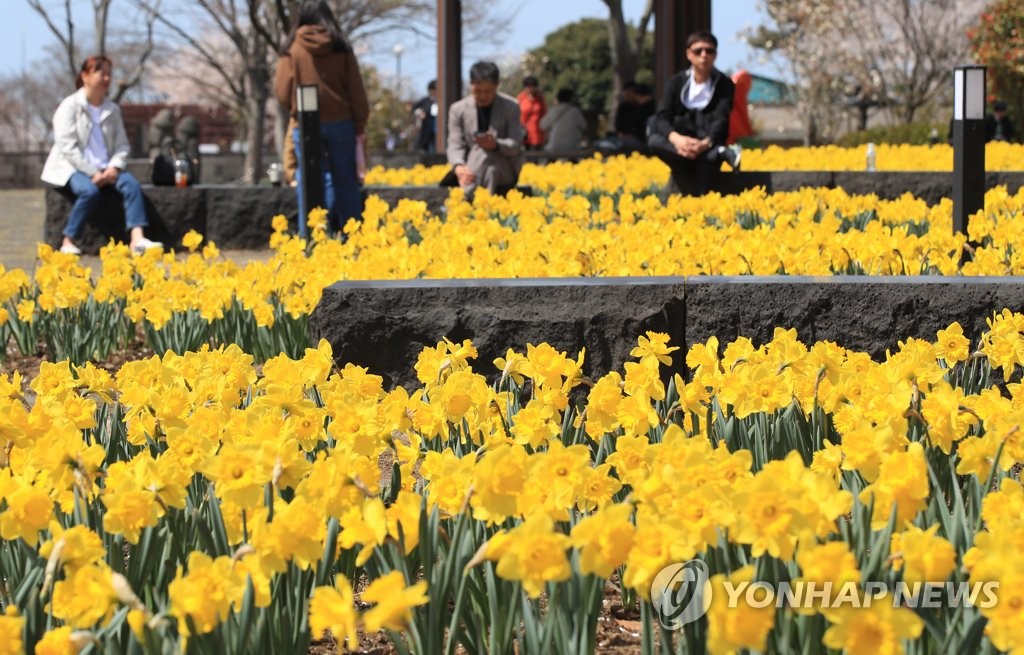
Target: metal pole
{"x": 968, "y": 144}
{"x": 311, "y": 167}
{"x": 398, "y": 69}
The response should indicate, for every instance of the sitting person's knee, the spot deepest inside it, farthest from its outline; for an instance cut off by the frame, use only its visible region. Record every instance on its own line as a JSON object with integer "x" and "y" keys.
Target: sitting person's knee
{"x": 87, "y": 191}
{"x": 127, "y": 180}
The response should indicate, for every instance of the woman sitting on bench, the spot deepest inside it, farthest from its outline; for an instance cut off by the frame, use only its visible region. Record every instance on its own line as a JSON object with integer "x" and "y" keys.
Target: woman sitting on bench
{"x": 89, "y": 153}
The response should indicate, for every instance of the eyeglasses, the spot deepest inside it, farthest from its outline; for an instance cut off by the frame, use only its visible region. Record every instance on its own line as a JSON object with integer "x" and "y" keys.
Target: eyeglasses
{"x": 711, "y": 52}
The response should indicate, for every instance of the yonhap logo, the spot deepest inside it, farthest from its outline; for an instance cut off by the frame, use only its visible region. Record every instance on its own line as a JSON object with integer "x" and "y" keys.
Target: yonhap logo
{"x": 681, "y": 594}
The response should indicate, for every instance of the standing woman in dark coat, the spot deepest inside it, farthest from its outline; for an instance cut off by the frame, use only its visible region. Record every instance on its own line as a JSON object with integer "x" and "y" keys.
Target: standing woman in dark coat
{"x": 315, "y": 52}
{"x": 690, "y": 129}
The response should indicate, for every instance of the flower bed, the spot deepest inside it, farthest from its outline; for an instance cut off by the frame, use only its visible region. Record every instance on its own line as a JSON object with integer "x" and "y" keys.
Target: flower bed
{"x": 647, "y": 171}
{"x": 181, "y": 303}
{"x": 187, "y": 502}
{"x": 200, "y": 502}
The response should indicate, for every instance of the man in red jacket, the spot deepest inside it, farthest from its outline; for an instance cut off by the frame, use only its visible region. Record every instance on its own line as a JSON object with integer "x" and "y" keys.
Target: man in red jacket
{"x": 531, "y": 109}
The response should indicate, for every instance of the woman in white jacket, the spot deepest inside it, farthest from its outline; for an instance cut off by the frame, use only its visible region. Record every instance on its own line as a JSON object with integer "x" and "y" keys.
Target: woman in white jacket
{"x": 89, "y": 153}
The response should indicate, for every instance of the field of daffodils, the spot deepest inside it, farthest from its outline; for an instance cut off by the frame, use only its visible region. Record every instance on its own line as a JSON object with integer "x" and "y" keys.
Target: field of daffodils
{"x": 240, "y": 492}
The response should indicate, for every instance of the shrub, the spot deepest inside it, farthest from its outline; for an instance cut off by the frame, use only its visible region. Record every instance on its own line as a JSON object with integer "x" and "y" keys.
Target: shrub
{"x": 912, "y": 134}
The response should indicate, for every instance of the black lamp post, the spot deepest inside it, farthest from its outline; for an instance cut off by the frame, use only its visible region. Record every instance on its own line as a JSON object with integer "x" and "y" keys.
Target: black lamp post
{"x": 968, "y": 144}
{"x": 311, "y": 167}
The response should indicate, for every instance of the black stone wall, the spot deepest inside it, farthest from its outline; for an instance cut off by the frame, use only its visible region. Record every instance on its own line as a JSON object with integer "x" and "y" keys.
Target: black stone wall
{"x": 384, "y": 325}
{"x": 233, "y": 217}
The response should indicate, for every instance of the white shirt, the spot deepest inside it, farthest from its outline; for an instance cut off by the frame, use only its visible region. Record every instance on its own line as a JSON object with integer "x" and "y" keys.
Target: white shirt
{"x": 696, "y": 95}
{"x": 96, "y": 149}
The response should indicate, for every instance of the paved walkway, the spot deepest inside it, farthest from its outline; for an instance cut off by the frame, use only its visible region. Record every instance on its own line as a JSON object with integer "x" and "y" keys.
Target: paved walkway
{"x": 21, "y": 226}
{"x": 22, "y": 212}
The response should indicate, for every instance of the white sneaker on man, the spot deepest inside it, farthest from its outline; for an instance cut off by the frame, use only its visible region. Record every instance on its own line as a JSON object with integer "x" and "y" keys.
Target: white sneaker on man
{"x": 732, "y": 155}
{"x": 70, "y": 249}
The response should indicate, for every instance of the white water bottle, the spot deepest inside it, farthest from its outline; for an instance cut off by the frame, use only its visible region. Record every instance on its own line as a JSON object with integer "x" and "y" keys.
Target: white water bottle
{"x": 870, "y": 157}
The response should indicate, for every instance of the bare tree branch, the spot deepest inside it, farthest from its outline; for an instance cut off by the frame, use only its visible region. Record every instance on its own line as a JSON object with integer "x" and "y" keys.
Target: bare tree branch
{"x": 211, "y": 59}
{"x": 101, "y": 11}
{"x": 260, "y": 25}
{"x": 66, "y": 40}
{"x": 135, "y": 77}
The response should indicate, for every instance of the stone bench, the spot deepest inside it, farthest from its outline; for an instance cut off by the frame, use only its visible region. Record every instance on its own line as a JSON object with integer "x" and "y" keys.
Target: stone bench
{"x": 384, "y": 325}
{"x": 234, "y": 217}
{"x": 929, "y": 186}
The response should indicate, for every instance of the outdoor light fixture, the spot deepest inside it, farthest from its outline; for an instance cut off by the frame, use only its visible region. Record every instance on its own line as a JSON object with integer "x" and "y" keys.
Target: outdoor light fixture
{"x": 968, "y": 144}
{"x": 969, "y": 93}
{"x": 307, "y": 98}
{"x": 311, "y": 149}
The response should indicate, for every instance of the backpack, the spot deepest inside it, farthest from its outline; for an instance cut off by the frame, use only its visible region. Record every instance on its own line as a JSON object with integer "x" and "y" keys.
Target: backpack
{"x": 169, "y": 152}
{"x": 163, "y": 170}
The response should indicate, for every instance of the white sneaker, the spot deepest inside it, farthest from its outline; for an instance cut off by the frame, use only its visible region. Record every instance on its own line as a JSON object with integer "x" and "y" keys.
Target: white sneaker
{"x": 142, "y": 245}
{"x": 70, "y": 249}
{"x": 732, "y": 155}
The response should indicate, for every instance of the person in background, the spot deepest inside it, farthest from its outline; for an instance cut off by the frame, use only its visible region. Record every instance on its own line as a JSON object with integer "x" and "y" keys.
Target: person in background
{"x": 998, "y": 125}
{"x": 565, "y": 124}
{"x": 289, "y": 161}
{"x": 89, "y": 153}
{"x": 425, "y": 112}
{"x": 316, "y": 52}
{"x": 739, "y": 119}
{"x": 531, "y": 109}
{"x": 187, "y": 135}
{"x": 690, "y": 128}
{"x": 634, "y": 109}
{"x": 485, "y": 135}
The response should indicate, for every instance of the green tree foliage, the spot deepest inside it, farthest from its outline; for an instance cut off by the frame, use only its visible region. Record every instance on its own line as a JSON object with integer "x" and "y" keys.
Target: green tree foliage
{"x": 578, "y": 56}
{"x": 388, "y": 112}
{"x": 997, "y": 41}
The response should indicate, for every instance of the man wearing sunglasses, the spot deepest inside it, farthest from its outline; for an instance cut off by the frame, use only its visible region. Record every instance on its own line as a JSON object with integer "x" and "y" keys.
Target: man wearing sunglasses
{"x": 690, "y": 128}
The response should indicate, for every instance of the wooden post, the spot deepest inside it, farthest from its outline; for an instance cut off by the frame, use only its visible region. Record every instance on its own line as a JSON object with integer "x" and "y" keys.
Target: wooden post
{"x": 674, "y": 20}
{"x": 449, "y": 64}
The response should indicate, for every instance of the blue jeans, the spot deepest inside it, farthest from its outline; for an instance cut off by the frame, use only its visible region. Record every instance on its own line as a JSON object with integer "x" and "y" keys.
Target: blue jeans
{"x": 341, "y": 185}
{"x": 87, "y": 196}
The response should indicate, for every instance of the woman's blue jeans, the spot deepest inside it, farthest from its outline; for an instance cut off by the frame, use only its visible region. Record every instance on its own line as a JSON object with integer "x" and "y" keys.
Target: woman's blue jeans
{"x": 87, "y": 196}
{"x": 342, "y": 194}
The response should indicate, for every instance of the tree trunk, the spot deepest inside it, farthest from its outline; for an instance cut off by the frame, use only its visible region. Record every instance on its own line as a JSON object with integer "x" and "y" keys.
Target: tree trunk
{"x": 811, "y": 135}
{"x": 280, "y": 130}
{"x": 256, "y": 112}
{"x": 102, "y": 11}
{"x": 623, "y": 56}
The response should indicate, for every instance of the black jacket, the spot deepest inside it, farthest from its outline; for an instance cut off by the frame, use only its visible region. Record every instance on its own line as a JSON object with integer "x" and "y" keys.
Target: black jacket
{"x": 712, "y": 121}
{"x": 1002, "y": 128}
{"x": 631, "y": 118}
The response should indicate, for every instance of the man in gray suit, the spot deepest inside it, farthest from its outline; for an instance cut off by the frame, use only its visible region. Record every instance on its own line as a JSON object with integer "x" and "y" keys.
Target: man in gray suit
{"x": 485, "y": 138}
